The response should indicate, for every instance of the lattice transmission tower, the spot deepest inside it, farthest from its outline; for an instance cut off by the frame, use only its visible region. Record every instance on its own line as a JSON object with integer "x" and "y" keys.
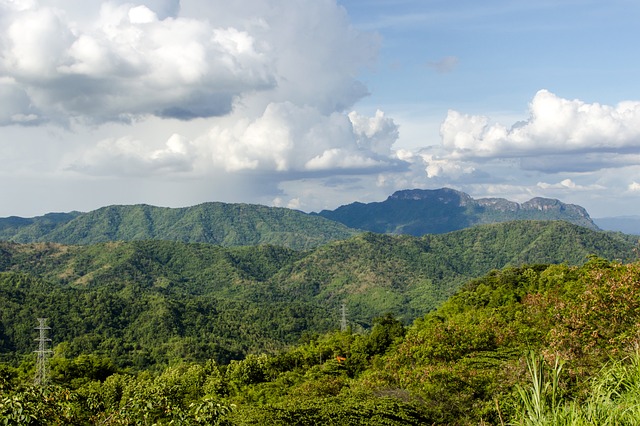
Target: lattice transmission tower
{"x": 343, "y": 317}
{"x": 42, "y": 370}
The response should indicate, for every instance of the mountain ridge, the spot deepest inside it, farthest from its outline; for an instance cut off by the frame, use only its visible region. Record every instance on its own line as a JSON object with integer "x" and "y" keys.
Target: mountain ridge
{"x": 426, "y": 211}
{"x": 414, "y": 212}
{"x": 625, "y": 224}
{"x": 213, "y": 222}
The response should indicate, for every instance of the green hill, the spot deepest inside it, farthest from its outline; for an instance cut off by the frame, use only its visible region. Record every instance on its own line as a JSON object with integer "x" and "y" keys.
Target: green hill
{"x": 419, "y": 212}
{"x": 529, "y": 345}
{"x": 533, "y": 345}
{"x": 30, "y": 229}
{"x": 213, "y": 223}
{"x": 146, "y": 303}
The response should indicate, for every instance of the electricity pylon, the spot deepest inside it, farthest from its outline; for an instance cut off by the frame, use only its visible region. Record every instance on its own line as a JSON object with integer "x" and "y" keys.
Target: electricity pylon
{"x": 42, "y": 372}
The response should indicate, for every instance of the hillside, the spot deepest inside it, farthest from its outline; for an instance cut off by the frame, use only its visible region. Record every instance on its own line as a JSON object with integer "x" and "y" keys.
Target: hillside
{"x": 213, "y": 223}
{"x": 30, "y": 229}
{"x": 531, "y": 345}
{"x": 146, "y": 303}
{"x": 419, "y": 212}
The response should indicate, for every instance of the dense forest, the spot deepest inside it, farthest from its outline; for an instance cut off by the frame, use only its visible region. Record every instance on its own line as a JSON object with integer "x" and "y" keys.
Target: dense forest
{"x": 440, "y": 329}
{"x": 531, "y": 345}
{"x": 147, "y": 304}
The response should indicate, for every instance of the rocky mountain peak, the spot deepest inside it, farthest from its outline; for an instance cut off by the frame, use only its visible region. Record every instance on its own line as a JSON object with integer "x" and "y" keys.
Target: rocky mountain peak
{"x": 443, "y": 195}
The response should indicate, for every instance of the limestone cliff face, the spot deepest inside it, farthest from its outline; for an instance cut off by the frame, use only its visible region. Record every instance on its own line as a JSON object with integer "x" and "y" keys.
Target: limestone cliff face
{"x": 444, "y": 196}
{"x": 547, "y": 204}
{"x": 534, "y": 204}
{"x": 499, "y": 204}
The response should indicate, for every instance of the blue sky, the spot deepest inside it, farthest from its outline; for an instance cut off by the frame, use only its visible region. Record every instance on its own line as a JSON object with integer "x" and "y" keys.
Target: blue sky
{"x": 490, "y": 58}
{"x": 316, "y": 103}
{"x": 501, "y": 52}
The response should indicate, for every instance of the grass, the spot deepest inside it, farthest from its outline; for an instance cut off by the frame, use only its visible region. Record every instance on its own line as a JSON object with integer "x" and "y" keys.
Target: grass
{"x": 613, "y": 396}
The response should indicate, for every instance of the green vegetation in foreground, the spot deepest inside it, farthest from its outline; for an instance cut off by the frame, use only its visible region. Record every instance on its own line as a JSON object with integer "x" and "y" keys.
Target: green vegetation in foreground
{"x": 532, "y": 345}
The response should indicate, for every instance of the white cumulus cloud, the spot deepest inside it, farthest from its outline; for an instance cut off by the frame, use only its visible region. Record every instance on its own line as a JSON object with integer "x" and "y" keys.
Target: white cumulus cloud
{"x": 568, "y": 184}
{"x": 555, "y": 127}
{"x": 124, "y": 62}
{"x": 257, "y": 86}
{"x": 291, "y": 138}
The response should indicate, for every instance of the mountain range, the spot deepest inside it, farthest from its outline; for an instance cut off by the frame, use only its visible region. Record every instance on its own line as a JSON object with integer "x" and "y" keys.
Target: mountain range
{"x": 418, "y": 212}
{"x": 413, "y": 212}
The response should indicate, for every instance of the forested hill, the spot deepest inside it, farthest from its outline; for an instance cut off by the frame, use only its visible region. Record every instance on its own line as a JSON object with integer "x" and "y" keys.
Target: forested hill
{"x": 149, "y": 302}
{"x": 532, "y": 345}
{"x": 419, "y": 212}
{"x": 213, "y": 223}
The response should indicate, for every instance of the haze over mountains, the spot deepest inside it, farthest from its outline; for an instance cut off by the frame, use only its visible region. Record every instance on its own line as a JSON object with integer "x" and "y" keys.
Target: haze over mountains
{"x": 625, "y": 224}
{"x": 412, "y": 212}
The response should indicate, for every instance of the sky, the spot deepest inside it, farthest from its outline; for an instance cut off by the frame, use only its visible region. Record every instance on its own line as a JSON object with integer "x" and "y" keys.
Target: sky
{"x": 312, "y": 104}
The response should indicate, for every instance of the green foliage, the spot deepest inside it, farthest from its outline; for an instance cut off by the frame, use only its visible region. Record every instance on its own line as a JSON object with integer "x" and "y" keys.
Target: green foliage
{"x": 541, "y": 400}
{"x": 480, "y": 358}
{"x": 77, "y": 371}
{"x": 179, "y": 395}
{"x": 385, "y": 331}
{"x": 338, "y": 410}
{"x": 213, "y": 223}
{"x": 465, "y": 361}
{"x": 154, "y": 303}
{"x": 35, "y": 406}
{"x": 251, "y": 370}
{"x": 603, "y": 321}
{"x": 612, "y": 398}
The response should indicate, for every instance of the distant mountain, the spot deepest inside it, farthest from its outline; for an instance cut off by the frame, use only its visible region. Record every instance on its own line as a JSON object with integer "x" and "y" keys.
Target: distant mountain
{"x": 419, "y": 212}
{"x": 625, "y": 224}
{"x": 214, "y": 223}
{"x": 30, "y": 229}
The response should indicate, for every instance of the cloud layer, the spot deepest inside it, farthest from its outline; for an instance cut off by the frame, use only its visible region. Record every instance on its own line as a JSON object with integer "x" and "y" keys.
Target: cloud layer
{"x": 199, "y": 100}
{"x": 564, "y": 149}
{"x": 122, "y": 61}
{"x": 275, "y": 79}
